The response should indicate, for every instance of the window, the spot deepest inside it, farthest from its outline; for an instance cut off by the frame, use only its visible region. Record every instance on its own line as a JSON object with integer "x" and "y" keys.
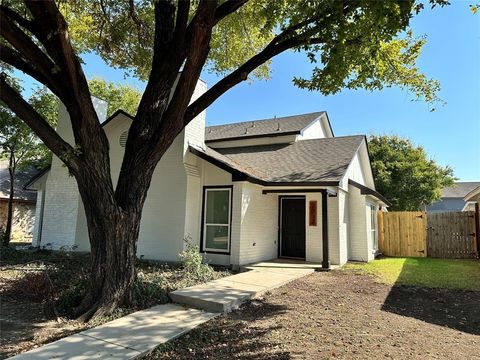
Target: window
{"x": 216, "y": 221}
{"x": 373, "y": 226}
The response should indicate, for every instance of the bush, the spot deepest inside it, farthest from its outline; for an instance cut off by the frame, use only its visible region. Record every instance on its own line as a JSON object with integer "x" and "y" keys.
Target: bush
{"x": 70, "y": 298}
{"x": 150, "y": 289}
{"x": 193, "y": 265}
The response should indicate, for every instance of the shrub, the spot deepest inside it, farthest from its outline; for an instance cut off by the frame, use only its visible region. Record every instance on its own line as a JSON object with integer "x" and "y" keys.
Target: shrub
{"x": 70, "y": 298}
{"x": 149, "y": 290}
{"x": 193, "y": 265}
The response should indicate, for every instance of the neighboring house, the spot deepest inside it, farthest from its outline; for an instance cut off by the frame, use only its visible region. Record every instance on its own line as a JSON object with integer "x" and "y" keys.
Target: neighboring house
{"x": 244, "y": 192}
{"x": 23, "y": 203}
{"x": 453, "y": 198}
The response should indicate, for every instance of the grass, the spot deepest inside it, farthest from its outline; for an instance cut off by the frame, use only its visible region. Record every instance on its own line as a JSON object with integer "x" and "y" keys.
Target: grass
{"x": 424, "y": 272}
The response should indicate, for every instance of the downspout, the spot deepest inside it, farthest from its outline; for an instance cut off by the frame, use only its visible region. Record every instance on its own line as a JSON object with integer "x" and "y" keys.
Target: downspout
{"x": 326, "y": 260}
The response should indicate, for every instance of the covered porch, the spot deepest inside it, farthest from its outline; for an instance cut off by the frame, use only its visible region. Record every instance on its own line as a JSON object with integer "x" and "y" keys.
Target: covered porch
{"x": 285, "y": 265}
{"x": 290, "y": 226}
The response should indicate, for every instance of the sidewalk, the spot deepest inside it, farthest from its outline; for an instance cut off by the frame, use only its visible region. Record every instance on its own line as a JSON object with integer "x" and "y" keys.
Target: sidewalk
{"x": 142, "y": 331}
{"x": 124, "y": 338}
{"x": 228, "y": 293}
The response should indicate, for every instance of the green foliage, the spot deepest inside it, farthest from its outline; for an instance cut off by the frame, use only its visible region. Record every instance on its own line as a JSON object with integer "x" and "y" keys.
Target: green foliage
{"x": 405, "y": 174}
{"x": 117, "y": 96}
{"x": 351, "y": 45}
{"x": 424, "y": 272}
{"x": 193, "y": 264}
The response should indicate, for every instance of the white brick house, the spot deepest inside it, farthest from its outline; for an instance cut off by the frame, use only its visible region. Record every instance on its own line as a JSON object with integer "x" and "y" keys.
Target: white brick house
{"x": 244, "y": 192}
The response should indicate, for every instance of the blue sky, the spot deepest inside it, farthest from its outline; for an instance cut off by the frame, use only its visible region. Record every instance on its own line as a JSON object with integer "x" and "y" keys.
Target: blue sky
{"x": 450, "y": 135}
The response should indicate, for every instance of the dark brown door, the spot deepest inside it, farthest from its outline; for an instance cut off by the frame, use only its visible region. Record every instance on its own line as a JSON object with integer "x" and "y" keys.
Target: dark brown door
{"x": 292, "y": 230}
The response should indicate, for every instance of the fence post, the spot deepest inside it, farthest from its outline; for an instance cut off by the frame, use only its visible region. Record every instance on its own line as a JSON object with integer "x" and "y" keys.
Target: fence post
{"x": 425, "y": 232}
{"x": 477, "y": 227}
{"x": 380, "y": 230}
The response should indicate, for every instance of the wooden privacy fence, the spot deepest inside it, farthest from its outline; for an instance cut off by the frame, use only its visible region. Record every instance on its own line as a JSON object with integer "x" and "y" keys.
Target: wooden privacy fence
{"x": 402, "y": 233}
{"x": 443, "y": 235}
{"x": 451, "y": 235}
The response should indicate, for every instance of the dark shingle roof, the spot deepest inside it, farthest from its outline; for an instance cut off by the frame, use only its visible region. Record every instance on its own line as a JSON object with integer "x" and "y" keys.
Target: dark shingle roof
{"x": 459, "y": 189}
{"x": 317, "y": 160}
{"x": 266, "y": 127}
{"x": 22, "y": 178}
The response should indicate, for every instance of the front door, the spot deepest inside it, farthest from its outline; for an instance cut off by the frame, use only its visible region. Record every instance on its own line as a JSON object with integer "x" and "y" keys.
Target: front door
{"x": 292, "y": 227}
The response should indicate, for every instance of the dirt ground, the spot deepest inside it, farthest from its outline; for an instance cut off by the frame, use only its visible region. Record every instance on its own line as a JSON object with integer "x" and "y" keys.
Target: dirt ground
{"x": 25, "y": 325}
{"x": 38, "y": 288}
{"x": 340, "y": 315}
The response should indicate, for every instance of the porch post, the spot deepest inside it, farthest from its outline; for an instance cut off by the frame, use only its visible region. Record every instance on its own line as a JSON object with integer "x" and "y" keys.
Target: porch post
{"x": 325, "y": 261}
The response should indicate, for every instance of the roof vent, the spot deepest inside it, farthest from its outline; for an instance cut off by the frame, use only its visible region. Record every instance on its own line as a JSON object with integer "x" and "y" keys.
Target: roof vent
{"x": 278, "y": 127}
{"x": 246, "y": 131}
{"x": 123, "y": 138}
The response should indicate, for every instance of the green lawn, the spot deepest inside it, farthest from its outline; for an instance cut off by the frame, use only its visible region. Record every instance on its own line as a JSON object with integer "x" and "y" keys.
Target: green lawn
{"x": 424, "y": 272}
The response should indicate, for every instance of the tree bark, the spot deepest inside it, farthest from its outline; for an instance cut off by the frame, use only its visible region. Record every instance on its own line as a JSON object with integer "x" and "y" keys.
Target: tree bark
{"x": 11, "y": 196}
{"x": 113, "y": 234}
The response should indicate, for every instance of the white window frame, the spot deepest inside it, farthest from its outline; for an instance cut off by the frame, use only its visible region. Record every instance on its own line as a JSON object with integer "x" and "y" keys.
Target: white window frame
{"x": 229, "y": 225}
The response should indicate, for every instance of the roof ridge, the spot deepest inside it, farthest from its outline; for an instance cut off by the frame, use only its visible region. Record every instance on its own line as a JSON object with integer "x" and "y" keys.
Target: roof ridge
{"x": 266, "y": 119}
{"x": 332, "y": 138}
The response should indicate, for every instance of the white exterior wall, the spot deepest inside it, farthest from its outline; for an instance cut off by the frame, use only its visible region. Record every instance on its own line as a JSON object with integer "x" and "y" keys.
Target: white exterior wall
{"x": 314, "y": 242}
{"x": 37, "y": 227}
{"x": 313, "y": 131}
{"x": 333, "y": 230}
{"x": 358, "y": 244}
{"x": 259, "y": 225}
{"x": 61, "y": 196}
{"x": 343, "y": 221}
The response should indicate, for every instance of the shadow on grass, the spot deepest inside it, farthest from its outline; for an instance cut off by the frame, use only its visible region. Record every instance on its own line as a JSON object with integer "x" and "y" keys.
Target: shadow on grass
{"x": 230, "y": 336}
{"x": 453, "y": 308}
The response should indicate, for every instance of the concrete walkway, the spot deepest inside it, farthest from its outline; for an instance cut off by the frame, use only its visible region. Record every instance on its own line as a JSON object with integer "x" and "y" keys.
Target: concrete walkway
{"x": 142, "y": 331}
{"x": 228, "y": 293}
{"x": 124, "y": 338}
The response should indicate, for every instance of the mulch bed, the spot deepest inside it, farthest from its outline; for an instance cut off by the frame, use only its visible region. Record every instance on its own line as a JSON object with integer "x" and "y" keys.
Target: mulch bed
{"x": 340, "y": 315}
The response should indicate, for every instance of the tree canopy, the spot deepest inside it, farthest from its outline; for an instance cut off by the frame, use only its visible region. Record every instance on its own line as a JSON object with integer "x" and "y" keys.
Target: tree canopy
{"x": 405, "y": 174}
{"x": 168, "y": 43}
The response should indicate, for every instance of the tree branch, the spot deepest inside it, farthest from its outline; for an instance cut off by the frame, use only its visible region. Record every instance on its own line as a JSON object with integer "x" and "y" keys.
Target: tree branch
{"x": 44, "y": 66}
{"x": 181, "y": 20}
{"x": 38, "y": 124}
{"x": 239, "y": 75}
{"x": 14, "y": 58}
{"x": 227, "y": 8}
{"x": 53, "y": 34}
{"x": 20, "y": 20}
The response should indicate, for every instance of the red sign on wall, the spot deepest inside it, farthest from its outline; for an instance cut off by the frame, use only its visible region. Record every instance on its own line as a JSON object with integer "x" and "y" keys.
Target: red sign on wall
{"x": 312, "y": 213}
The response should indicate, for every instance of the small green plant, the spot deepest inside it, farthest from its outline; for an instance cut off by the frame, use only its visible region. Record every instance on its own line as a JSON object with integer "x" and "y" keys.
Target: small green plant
{"x": 71, "y": 297}
{"x": 150, "y": 289}
{"x": 193, "y": 265}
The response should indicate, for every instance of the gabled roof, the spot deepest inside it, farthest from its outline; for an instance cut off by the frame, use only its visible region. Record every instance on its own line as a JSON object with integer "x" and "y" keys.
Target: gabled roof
{"x": 473, "y": 195}
{"x": 288, "y": 125}
{"x": 21, "y": 177}
{"x": 316, "y": 161}
{"x": 459, "y": 189}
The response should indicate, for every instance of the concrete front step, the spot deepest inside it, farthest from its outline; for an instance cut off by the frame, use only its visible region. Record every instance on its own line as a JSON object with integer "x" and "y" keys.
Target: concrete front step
{"x": 226, "y": 294}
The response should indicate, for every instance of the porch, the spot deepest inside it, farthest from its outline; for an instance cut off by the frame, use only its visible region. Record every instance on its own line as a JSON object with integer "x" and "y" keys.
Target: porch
{"x": 286, "y": 264}
{"x": 226, "y": 294}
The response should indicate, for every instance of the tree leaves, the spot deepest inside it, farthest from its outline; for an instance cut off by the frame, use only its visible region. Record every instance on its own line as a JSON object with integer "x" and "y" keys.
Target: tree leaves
{"x": 405, "y": 174}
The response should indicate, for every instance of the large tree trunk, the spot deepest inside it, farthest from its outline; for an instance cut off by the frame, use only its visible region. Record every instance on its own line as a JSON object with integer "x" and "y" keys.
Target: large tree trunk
{"x": 113, "y": 220}
{"x": 11, "y": 196}
{"x": 113, "y": 234}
